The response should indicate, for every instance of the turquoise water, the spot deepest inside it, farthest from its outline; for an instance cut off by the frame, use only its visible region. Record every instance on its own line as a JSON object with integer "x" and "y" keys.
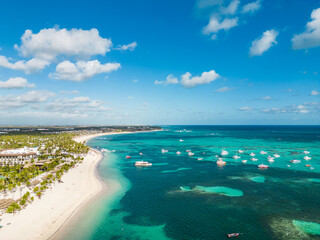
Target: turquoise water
{"x": 179, "y": 197}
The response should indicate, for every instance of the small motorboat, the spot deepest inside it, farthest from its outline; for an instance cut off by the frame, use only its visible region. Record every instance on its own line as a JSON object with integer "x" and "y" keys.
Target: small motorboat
{"x": 262, "y": 166}
{"x": 224, "y": 152}
{"x": 254, "y": 159}
{"x": 140, "y": 154}
{"x": 236, "y": 157}
{"x": 220, "y": 162}
{"x": 142, "y": 164}
{"x": 308, "y": 165}
{"x": 270, "y": 160}
{"x": 231, "y": 235}
{"x": 188, "y": 150}
{"x": 252, "y": 154}
{"x": 263, "y": 152}
{"x": 306, "y": 152}
{"x": 240, "y": 151}
{"x": 181, "y": 140}
{"x": 295, "y": 161}
{"x": 190, "y": 153}
{"x": 276, "y": 155}
{"x": 307, "y": 158}
{"x": 164, "y": 150}
{"x": 178, "y": 153}
{"x": 128, "y": 156}
{"x": 199, "y": 159}
{"x": 244, "y": 161}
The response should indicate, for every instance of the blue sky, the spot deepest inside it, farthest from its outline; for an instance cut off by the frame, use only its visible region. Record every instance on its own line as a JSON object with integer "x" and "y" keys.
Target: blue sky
{"x": 160, "y": 62}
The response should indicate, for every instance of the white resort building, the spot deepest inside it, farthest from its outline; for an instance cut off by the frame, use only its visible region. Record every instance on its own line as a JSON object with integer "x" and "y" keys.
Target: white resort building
{"x": 18, "y": 156}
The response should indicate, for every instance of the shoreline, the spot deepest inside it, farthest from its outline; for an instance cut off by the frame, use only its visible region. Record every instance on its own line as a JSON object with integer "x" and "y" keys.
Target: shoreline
{"x": 62, "y": 203}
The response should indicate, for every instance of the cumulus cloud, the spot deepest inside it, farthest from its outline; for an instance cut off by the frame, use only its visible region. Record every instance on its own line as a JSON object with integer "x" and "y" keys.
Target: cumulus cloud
{"x": 32, "y": 97}
{"x": 77, "y": 105}
{"x": 51, "y": 42}
{"x": 245, "y": 109}
{"x": 35, "y": 96}
{"x": 31, "y": 66}
{"x": 188, "y": 81}
{"x": 251, "y": 7}
{"x": 224, "y": 14}
{"x": 215, "y": 25}
{"x": 224, "y": 89}
{"x": 205, "y": 78}
{"x": 262, "y": 44}
{"x": 16, "y": 82}
{"x": 311, "y": 36}
{"x": 129, "y": 47}
{"x": 314, "y": 93}
{"x": 82, "y": 70}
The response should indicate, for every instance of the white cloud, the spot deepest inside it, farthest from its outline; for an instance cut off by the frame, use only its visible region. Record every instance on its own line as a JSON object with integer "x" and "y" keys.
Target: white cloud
{"x": 215, "y": 25}
{"x": 130, "y": 47}
{"x": 251, "y": 7}
{"x": 224, "y": 89}
{"x": 245, "y": 109}
{"x": 169, "y": 80}
{"x": 51, "y": 42}
{"x": 82, "y": 70}
{"x": 32, "y": 97}
{"x": 262, "y": 44}
{"x": 35, "y": 96}
{"x": 135, "y": 80}
{"x": 33, "y": 65}
{"x": 266, "y": 98}
{"x": 231, "y": 8}
{"x": 157, "y": 82}
{"x": 311, "y": 36}
{"x": 17, "y": 82}
{"x": 314, "y": 93}
{"x": 205, "y": 78}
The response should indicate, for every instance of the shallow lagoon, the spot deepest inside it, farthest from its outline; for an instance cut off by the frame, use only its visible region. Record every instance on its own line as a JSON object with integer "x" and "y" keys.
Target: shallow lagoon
{"x": 186, "y": 204}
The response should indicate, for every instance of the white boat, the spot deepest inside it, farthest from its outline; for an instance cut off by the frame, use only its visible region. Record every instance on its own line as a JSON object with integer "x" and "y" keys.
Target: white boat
{"x": 142, "y": 164}
{"x": 263, "y": 152}
{"x": 188, "y": 150}
{"x": 262, "y": 166}
{"x": 224, "y": 152}
{"x": 216, "y": 156}
{"x": 200, "y": 159}
{"x": 254, "y": 159}
{"x": 244, "y": 161}
{"x": 178, "y": 153}
{"x": 276, "y": 155}
{"x": 236, "y": 157}
{"x": 252, "y": 154}
{"x": 307, "y": 158}
{"x": 181, "y": 140}
{"x": 164, "y": 150}
{"x": 288, "y": 165}
{"x": 306, "y": 152}
{"x": 190, "y": 153}
{"x": 220, "y": 162}
{"x": 240, "y": 151}
{"x": 140, "y": 154}
{"x": 269, "y": 157}
{"x": 295, "y": 161}
{"x": 271, "y": 160}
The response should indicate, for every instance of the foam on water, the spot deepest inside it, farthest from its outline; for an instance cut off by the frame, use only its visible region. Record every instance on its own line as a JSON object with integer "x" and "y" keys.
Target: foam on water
{"x": 177, "y": 170}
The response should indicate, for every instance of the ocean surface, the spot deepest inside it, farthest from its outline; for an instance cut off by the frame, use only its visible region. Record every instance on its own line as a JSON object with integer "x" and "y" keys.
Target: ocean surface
{"x": 190, "y": 197}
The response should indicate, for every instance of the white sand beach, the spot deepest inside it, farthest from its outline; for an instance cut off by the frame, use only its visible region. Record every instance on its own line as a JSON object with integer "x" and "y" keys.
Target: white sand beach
{"x": 43, "y": 218}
